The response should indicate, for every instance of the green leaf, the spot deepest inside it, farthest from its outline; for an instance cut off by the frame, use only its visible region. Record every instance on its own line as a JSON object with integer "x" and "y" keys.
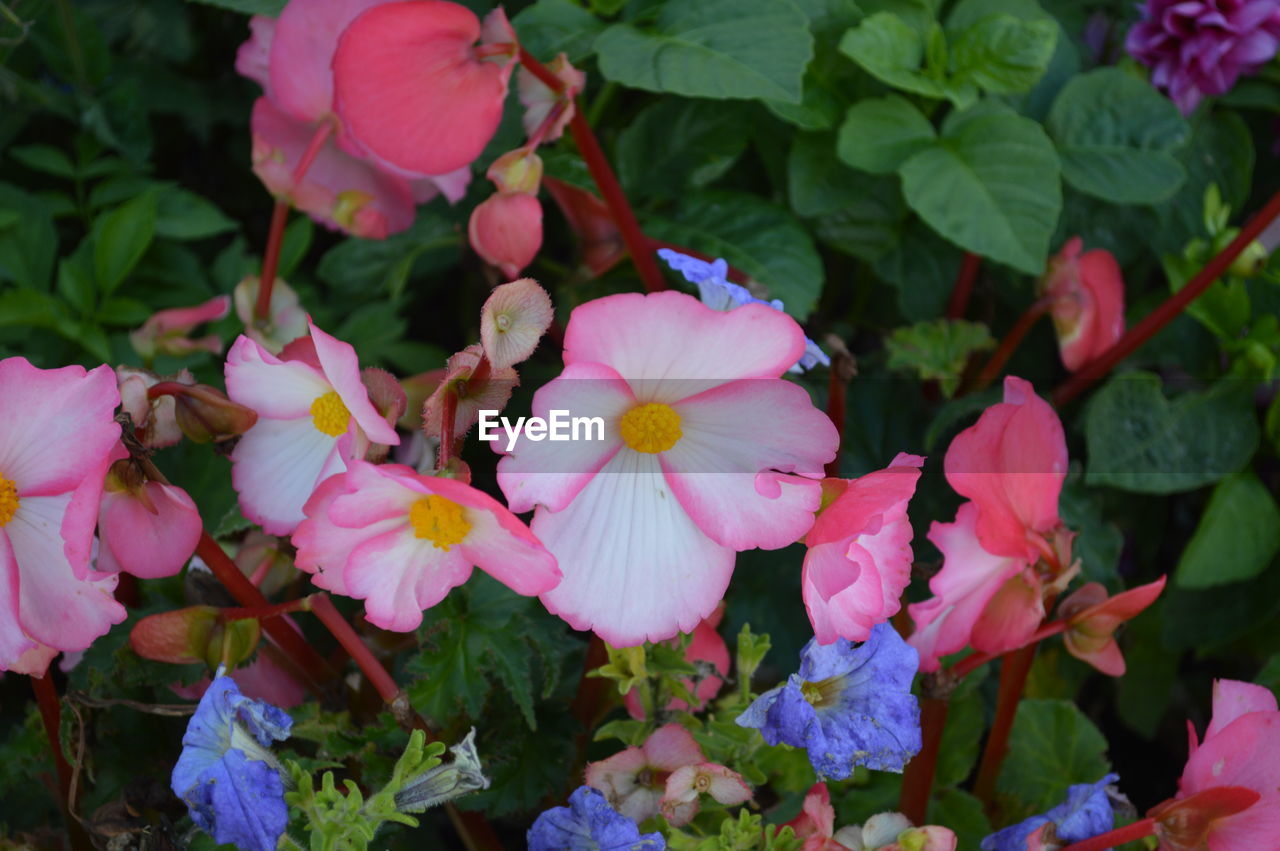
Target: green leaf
{"x": 1118, "y": 137}
{"x": 294, "y": 245}
{"x": 368, "y": 266}
{"x": 270, "y": 8}
{"x": 1238, "y": 535}
{"x": 1002, "y": 54}
{"x": 1220, "y": 153}
{"x": 121, "y": 238}
{"x": 990, "y": 186}
{"x": 923, "y": 267}
{"x": 892, "y": 51}
{"x": 1052, "y": 745}
{"x": 75, "y": 284}
{"x": 45, "y": 158}
{"x": 962, "y": 812}
{"x": 938, "y": 350}
{"x": 1097, "y": 543}
{"x": 880, "y": 134}
{"x": 1151, "y": 672}
{"x": 28, "y": 247}
{"x": 28, "y": 307}
{"x": 674, "y": 144}
{"x": 713, "y": 49}
{"x": 1138, "y": 440}
{"x": 960, "y": 739}
{"x": 550, "y": 27}
{"x": 762, "y": 240}
{"x": 1211, "y": 618}
{"x": 185, "y": 215}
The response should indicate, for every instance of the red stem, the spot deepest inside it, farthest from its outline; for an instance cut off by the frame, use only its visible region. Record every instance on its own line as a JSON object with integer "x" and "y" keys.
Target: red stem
{"x": 275, "y": 610}
{"x": 1117, "y": 837}
{"x": 1011, "y": 341}
{"x": 917, "y": 780}
{"x": 973, "y": 661}
{"x": 1013, "y": 679}
{"x": 51, "y": 714}
{"x": 1166, "y": 312}
{"x": 963, "y": 289}
{"x": 271, "y": 259}
{"x": 610, "y": 190}
{"x": 322, "y": 607}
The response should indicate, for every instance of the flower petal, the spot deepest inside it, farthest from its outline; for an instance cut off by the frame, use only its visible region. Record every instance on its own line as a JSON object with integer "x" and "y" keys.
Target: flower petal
{"x": 274, "y": 388}
{"x": 150, "y": 545}
{"x": 306, "y": 35}
{"x": 399, "y": 576}
{"x": 13, "y": 641}
{"x": 276, "y": 467}
{"x": 342, "y": 368}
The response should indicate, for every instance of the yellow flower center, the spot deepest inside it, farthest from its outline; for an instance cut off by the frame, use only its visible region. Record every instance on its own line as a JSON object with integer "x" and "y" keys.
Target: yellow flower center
{"x": 822, "y": 693}
{"x": 329, "y": 414}
{"x": 441, "y": 521}
{"x": 651, "y": 428}
{"x": 503, "y": 321}
{"x": 8, "y": 500}
{"x": 348, "y": 205}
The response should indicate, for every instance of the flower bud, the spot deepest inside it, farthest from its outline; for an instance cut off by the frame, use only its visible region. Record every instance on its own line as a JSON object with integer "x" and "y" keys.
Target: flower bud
{"x": 517, "y": 171}
{"x": 205, "y": 413}
{"x": 444, "y": 782}
{"x": 165, "y": 332}
{"x": 506, "y": 230}
{"x": 1088, "y": 302}
{"x": 1251, "y": 261}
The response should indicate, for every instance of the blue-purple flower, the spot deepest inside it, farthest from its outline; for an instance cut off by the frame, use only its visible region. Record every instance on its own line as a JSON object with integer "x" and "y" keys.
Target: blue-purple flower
{"x": 1201, "y": 47}
{"x": 1084, "y": 814}
{"x": 716, "y": 292}
{"x": 589, "y": 824}
{"x": 226, "y": 775}
{"x": 850, "y": 704}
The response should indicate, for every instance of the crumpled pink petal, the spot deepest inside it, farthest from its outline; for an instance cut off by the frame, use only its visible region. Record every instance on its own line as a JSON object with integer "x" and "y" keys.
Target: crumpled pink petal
{"x": 680, "y": 800}
{"x": 149, "y": 544}
{"x": 1088, "y": 306}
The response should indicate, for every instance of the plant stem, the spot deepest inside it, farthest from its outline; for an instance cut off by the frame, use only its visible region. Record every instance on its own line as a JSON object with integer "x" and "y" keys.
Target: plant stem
{"x": 610, "y": 190}
{"x": 917, "y": 779}
{"x": 51, "y": 714}
{"x": 1011, "y": 341}
{"x": 271, "y": 259}
{"x": 1166, "y": 312}
{"x": 973, "y": 661}
{"x": 275, "y": 610}
{"x": 322, "y": 607}
{"x": 959, "y": 302}
{"x": 1013, "y": 679}
{"x": 1119, "y": 836}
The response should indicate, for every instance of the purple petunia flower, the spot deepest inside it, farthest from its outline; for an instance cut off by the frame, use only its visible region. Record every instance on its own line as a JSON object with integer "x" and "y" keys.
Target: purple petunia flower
{"x": 717, "y": 293}
{"x": 850, "y": 704}
{"x": 1085, "y": 813}
{"x": 226, "y": 775}
{"x": 589, "y": 824}
{"x": 1201, "y": 47}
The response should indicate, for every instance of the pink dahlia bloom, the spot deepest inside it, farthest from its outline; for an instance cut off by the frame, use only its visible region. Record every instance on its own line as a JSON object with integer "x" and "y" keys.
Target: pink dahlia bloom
{"x": 699, "y": 438}
{"x": 399, "y": 541}
{"x": 1088, "y": 302}
{"x": 1201, "y": 47}
{"x": 859, "y": 558}
{"x": 56, "y": 440}
{"x": 1012, "y": 463}
{"x": 314, "y": 415}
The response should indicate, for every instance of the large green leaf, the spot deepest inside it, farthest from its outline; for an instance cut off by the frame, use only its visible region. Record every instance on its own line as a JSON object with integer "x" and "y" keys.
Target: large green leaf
{"x": 1138, "y": 440}
{"x": 1052, "y": 746}
{"x": 185, "y": 215}
{"x": 549, "y": 27}
{"x": 1238, "y": 535}
{"x": 1118, "y": 137}
{"x": 270, "y": 8}
{"x": 990, "y": 185}
{"x": 894, "y": 52}
{"x": 713, "y": 49}
{"x": 880, "y": 134}
{"x": 764, "y": 241}
{"x": 121, "y": 238}
{"x": 1002, "y": 54}
{"x": 675, "y": 144}
{"x": 384, "y": 265}
{"x": 28, "y": 239}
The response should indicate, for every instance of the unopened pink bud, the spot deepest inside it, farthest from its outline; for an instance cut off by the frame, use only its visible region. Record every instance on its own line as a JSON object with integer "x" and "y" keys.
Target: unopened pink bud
{"x": 506, "y": 230}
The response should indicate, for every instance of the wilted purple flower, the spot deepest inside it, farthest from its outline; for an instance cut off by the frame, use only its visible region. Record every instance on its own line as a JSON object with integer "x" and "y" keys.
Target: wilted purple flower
{"x": 850, "y": 704}
{"x": 1201, "y": 47}
{"x": 589, "y": 824}
{"x": 1085, "y": 813}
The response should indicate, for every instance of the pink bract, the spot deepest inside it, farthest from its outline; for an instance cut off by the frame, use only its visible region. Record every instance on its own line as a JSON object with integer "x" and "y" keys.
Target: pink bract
{"x": 150, "y": 534}
{"x": 56, "y": 441}
{"x": 1012, "y": 463}
{"x": 412, "y": 89}
{"x": 1094, "y": 617}
{"x": 646, "y": 537}
{"x": 859, "y": 558}
{"x": 400, "y": 541}
{"x": 506, "y": 230}
{"x": 1088, "y": 302}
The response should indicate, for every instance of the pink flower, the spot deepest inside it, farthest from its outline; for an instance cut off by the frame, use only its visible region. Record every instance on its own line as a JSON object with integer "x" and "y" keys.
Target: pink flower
{"x": 513, "y": 320}
{"x": 155, "y": 421}
{"x": 681, "y": 799}
{"x": 56, "y": 440}
{"x": 539, "y": 99}
{"x": 1012, "y": 463}
{"x": 1088, "y": 302}
{"x": 145, "y": 528}
{"x": 166, "y": 331}
{"x": 1093, "y": 618}
{"x": 817, "y": 821}
{"x": 399, "y": 541}
{"x": 314, "y": 415}
{"x": 699, "y": 432}
{"x": 413, "y": 89}
{"x": 506, "y": 230}
{"x": 859, "y": 558}
{"x": 882, "y": 832}
{"x": 286, "y": 320}
{"x": 705, "y": 646}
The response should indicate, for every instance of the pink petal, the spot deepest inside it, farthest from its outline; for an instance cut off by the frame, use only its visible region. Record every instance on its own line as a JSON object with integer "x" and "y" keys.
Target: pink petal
{"x": 276, "y": 467}
{"x": 1101, "y": 277}
{"x": 1245, "y": 752}
{"x": 13, "y": 641}
{"x": 506, "y": 230}
{"x": 58, "y": 425}
{"x": 503, "y": 547}
{"x": 670, "y": 747}
{"x": 149, "y": 545}
{"x": 274, "y": 388}
{"x": 35, "y": 662}
{"x": 342, "y": 368}
{"x": 1011, "y": 615}
{"x": 254, "y": 56}
{"x": 306, "y": 35}
{"x": 617, "y": 778}
{"x": 1232, "y": 699}
{"x": 81, "y": 515}
{"x": 323, "y": 545}
{"x": 410, "y": 89}
{"x": 399, "y": 576}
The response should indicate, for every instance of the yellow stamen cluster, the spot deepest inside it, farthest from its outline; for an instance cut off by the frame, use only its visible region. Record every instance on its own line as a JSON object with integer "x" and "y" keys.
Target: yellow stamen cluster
{"x": 441, "y": 521}
{"x": 651, "y": 428}
{"x": 8, "y": 500}
{"x": 821, "y": 693}
{"x": 329, "y": 414}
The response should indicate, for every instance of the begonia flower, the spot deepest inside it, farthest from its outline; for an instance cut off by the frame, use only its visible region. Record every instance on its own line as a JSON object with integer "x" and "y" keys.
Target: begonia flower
{"x": 634, "y": 780}
{"x": 314, "y": 415}
{"x": 226, "y": 774}
{"x": 400, "y": 541}
{"x": 1202, "y": 47}
{"x": 589, "y": 824}
{"x": 1012, "y": 463}
{"x": 155, "y": 423}
{"x": 538, "y": 99}
{"x": 859, "y": 558}
{"x": 700, "y": 435}
{"x": 892, "y": 832}
{"x": 1092, "y": 619}
{"x": 414, "y": 90}
{"x": 165, "y": 332}
{"x": 848, "y": 705}
{"x": 505, "y": 229}
{"x": 1086, "y": 813}
{"x": 146, "y": 528}
{"x": 817, "y": 820}
{"x": 718, "y": 293}
{"x": 681, "y": 800}
{"x": 286, "y": 320}
{"x": 705, "y": 646}
{"x": 1087, "y": 292}
{"x": 513, "y": 320}
{"x": 56, "y": 441}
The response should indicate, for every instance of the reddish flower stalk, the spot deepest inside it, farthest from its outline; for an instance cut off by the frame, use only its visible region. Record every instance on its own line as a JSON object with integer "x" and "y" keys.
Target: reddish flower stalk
{"x": 917, "y": 779}
{"x": 1013, "y": 679}
{"x": 322, "y": 607}
{"x": 610, "y": 190}
{"x": 963, "y": 289}
{"x": 973, "y": 661}
{"x": 1115, "y": 838}
{"x": 991, "y": 370}
{"x": 51, "y": 714}
{"x": 1166, "y": 312}
{"x": 263, "y": 613}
